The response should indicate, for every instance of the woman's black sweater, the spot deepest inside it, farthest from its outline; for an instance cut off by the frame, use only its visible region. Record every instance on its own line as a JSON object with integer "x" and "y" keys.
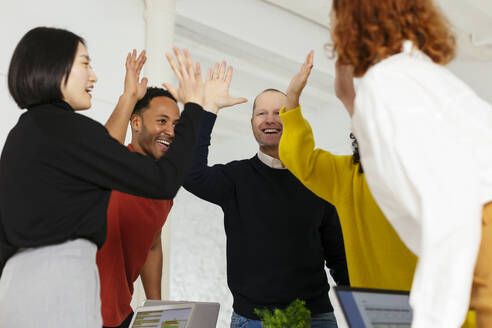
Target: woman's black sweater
{"x": 57, "y": 170}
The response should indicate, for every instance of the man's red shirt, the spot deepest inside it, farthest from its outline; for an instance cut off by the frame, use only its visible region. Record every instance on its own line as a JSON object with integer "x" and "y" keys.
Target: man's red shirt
{"x": 133, "y": 224}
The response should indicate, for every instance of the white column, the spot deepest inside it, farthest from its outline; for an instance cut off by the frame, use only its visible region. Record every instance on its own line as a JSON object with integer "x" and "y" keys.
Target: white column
{"x": 160, "y": 16}
{"x": 159, "y": 39}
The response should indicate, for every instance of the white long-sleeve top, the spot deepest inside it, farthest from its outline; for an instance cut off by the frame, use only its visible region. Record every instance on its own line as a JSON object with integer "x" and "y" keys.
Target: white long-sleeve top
{"x": 425, "y": 140}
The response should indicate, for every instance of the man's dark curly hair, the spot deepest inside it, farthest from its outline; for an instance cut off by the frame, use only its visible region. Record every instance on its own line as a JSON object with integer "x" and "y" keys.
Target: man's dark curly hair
{"x": 355, "y": 149}
{"x": 151, "y": 93}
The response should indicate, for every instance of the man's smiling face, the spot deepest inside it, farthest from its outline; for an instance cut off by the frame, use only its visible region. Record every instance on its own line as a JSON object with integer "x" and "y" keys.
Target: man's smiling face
{"x": 153, "y": 128}
{"x": 266, "y": 123}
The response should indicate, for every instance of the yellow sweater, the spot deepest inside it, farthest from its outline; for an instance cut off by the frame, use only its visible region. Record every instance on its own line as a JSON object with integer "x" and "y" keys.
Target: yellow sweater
{"x": 376, "y": 257}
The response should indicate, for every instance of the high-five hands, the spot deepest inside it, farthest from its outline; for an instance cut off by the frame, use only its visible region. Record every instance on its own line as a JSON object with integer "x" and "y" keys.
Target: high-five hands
{"x": 217, "y": 86}
{"x": 191, "y": 88}
{"x": 134, "y": 90}
{"x": 344, "y": 85}
{"x": 298, "y": 82}
{"x": 133, "y": 87}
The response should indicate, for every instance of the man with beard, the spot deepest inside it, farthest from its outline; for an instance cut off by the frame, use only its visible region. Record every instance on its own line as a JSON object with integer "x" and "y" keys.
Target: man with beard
{"x": 279, "y": 234}
{"x": 133, "y": 245}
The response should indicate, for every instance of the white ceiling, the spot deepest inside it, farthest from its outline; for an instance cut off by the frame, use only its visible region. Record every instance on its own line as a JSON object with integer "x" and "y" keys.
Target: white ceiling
{"x": 472, "y": 20}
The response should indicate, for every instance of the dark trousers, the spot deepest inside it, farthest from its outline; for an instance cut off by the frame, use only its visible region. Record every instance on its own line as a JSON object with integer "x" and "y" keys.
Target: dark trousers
{"x": 124, "y": 324}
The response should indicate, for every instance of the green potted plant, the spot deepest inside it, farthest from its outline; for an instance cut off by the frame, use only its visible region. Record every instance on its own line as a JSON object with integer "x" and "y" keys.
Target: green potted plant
{"x": 296, "y": 315}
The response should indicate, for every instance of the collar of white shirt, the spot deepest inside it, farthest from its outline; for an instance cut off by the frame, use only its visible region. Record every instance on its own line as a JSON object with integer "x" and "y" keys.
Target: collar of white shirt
{"x": 409, "y": 48}
{"x": 270, "y": 161}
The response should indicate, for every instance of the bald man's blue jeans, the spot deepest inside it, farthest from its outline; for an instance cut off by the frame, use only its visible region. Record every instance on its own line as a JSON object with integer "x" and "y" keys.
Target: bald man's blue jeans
{"x": 321, "y": 320}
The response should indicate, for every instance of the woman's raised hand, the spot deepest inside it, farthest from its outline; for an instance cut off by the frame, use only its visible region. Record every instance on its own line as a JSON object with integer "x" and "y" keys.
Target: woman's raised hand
{"x": 298, "y": 82}
{"x": 190, "y": 84}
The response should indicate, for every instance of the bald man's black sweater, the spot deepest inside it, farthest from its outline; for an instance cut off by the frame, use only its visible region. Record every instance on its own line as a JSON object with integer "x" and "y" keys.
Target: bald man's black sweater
{"x": 279, "y": 234}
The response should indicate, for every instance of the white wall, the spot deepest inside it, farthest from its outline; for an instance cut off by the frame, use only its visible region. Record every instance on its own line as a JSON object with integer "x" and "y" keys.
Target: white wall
{"x": 477, "y": 74}
{"x": 111, "y": 28}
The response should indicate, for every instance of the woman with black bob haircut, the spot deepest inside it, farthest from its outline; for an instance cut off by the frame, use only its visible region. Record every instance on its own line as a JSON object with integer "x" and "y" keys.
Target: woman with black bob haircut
{"x": 57, "y": 170}
{"x": 41, "y": 64}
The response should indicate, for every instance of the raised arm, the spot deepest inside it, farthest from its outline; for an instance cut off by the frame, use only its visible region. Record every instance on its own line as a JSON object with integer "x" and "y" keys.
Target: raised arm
{"x": 298, "y": 83}
{"x": 325, "y": 174}
{"x": 91, "y": 154}
{"x": 344, "y": 86}
{"x": 212, "y": 183}
{"x": 117, "y": 123}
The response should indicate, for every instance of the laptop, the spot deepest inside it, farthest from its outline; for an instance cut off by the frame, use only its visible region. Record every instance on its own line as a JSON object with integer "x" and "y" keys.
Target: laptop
{"x": 175, "y": 314}
{"x": 374, "y": 308}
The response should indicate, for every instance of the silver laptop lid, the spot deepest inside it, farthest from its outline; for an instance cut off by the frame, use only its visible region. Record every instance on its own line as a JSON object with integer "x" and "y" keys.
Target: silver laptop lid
{"x": 205, "y": 314}
{"x": 374, "y": 308}
{"x": 163, "y": 316}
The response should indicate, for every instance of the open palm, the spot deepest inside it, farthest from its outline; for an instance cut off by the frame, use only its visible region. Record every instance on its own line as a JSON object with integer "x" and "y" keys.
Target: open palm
{"x": 134, "y": 67}
{"x": 190, "y": 84}
{"x": 298, "y": 82}
{"x": 217, "y": 86}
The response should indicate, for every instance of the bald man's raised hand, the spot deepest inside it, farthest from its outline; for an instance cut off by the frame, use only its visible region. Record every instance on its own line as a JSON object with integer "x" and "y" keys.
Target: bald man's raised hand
{"x": 217, "y": 85}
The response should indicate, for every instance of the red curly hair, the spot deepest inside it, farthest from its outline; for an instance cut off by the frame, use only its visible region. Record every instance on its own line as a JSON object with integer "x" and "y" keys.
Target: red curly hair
{"x": 368, "y": 31}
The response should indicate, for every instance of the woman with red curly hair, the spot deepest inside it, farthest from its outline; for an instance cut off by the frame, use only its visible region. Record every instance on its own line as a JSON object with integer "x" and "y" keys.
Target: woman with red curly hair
{"x": 425, "y": 143}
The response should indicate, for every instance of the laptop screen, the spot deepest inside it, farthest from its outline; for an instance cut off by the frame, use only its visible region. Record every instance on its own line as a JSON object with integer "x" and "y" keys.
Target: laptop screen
{"x": 372, "y": 308}
{"x": 166, "y": 318}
